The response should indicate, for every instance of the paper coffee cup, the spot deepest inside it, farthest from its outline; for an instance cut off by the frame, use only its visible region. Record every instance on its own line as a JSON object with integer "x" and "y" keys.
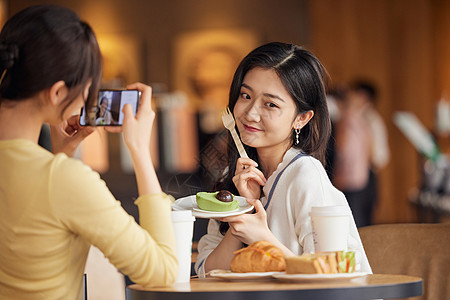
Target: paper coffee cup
{"x": 330, "y": 227}
{"x": 183, "y": 226}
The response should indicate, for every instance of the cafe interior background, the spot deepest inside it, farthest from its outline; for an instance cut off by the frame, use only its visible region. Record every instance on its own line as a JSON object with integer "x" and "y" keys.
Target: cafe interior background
{"x": 188, "y": 50}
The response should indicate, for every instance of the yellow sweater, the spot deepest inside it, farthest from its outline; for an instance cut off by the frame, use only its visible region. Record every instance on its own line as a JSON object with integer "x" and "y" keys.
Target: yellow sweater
{"x": 53, "y": 207}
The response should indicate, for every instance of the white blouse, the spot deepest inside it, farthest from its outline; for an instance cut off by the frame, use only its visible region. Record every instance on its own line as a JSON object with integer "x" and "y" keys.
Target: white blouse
{"x": 303, "y": 184}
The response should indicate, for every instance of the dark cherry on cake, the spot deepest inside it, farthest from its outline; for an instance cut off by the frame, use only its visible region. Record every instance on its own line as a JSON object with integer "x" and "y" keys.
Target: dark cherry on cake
{"x": 224, "y": 196}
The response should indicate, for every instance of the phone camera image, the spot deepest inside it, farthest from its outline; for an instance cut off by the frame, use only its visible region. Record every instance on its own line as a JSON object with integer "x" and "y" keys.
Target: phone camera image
{"x": 108, "y": 111}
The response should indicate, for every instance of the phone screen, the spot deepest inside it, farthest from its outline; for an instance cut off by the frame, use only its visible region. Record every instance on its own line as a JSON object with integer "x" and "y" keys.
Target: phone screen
{"x": 108, "y": 111}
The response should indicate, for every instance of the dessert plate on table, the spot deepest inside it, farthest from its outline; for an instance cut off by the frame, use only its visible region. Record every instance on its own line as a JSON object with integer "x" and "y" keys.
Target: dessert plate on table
{"x": 318, "y": 277}
{"x": 190, "y": 203}
{"x": 228, "y": 275}
{"x": 213, "y": 212}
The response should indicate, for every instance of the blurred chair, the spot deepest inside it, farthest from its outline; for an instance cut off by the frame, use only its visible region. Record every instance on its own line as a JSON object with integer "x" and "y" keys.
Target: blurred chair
{"x": 412, "y": 249}
{"x": 104, "y": 281}
{"x": 84, "y": 287}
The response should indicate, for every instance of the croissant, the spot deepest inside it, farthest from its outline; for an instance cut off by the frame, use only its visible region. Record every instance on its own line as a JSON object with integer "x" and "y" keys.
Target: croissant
{"x": 260, "y": 256}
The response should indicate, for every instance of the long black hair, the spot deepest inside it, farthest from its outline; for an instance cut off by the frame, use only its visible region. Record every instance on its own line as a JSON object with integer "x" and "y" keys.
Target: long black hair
{"x": 42, "y": 45}
{"x": 305, "y": 79}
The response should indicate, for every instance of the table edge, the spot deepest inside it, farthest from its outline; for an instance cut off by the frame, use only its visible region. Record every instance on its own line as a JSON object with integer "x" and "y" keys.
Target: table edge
{"x": 407, "y": 289}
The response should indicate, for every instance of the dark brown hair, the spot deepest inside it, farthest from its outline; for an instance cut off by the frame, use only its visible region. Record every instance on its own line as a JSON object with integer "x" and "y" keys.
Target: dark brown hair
{"x": 44, "y": 44}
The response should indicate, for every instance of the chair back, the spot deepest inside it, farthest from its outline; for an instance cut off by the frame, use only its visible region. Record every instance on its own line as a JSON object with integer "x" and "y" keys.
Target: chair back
{"x": 411, "y": 249}
{"x": 104, "y": 281}
{"x": 84, "y": 286}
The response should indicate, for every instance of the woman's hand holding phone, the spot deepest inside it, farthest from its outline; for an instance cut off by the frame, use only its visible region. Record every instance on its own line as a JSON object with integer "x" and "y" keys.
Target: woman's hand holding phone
{"x": 67, "y": 136}
{"x": 137, "y": 129}
{"x": 136, "y": 132}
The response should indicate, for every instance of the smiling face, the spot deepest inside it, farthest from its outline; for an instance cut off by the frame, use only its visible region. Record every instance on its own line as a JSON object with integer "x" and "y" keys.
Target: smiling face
{"x": 265, "y": 113}
{"x": 104, "y": 104}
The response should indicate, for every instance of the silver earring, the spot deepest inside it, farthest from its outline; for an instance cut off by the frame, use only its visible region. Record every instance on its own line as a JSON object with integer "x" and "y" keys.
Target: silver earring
{"x": 297, "y": 133}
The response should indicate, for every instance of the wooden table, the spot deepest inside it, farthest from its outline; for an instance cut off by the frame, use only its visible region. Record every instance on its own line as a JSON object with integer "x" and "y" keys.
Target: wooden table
{"x": 368, "y": 287}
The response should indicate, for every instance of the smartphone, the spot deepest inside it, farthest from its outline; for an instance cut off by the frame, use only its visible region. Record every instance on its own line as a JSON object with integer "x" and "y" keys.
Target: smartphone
{"x": 108, "y": 111}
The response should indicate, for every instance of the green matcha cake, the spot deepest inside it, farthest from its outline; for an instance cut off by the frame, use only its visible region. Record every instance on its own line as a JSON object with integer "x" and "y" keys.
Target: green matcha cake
{"x": 218, "y": 201}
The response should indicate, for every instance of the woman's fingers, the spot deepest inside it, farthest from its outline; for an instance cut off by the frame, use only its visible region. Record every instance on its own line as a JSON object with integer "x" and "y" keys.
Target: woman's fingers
{"x": 244, "y": 163}
{"x": 231, "y": 219}
{"x": 127, "y": 114}
{"x": 67, "y": 136}
{"x": 249, "y": 175}
{"x": 113, "y": 129}
{"x": 259, "y": 208}
{"x": 137, "y": 129}
{"x": 144, "y": 107}
{"x": 250, "y": 227}
{"x": 81, "y": 134}
{"x": 146, "y": 96}
{"x": 248, "y": 178}
{"x": 241, "y": 218}
{"x": 249, "y": 183}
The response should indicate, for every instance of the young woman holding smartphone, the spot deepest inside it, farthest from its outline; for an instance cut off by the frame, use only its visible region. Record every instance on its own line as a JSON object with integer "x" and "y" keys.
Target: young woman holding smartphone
{"x": 53, "y": 207}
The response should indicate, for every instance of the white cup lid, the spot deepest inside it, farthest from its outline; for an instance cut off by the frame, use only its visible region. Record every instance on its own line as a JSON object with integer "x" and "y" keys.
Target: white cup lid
{"x": 335, "y": 210}
{"x": 182, "y": 216}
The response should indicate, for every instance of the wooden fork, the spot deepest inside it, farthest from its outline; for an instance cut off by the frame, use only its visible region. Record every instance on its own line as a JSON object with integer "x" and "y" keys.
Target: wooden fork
{"x": 229, "y": 123}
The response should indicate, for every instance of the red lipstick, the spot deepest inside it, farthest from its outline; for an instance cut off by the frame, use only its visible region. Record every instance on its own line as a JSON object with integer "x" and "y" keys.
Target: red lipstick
{"x": 251, "y": 129}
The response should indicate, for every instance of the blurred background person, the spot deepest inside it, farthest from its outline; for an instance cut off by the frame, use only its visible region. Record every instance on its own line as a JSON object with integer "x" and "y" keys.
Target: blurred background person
{"x": 335, "y": 99}
{"x": 361, "y": 150}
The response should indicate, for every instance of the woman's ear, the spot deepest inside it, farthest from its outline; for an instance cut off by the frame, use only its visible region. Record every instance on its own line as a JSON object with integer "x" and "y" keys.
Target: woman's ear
{"x": 302, "y": 119}
{"x": 58, "y": 92}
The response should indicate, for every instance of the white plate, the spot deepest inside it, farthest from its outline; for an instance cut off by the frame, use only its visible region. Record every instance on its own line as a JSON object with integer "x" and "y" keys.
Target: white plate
{"x": 190, "y": 203}
{"x": 228, "y": 275}
{"x": 212, "y": 212}
{"x": 319, "y": 277}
